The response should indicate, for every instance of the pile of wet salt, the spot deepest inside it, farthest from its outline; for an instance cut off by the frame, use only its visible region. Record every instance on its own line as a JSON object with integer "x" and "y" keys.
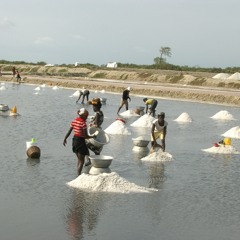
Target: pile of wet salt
{"x": 184, "y": 117}
{"x": 158, "y": 156}
{"x": 144, "y": 121}
{"x": 223, "y": 115}
{"x": 128, "y": 114}
{"x": 222, "y": 150}
{"x": 118, "y": 127}
{"x": 107, "y": 182}
{"x": 232, "y": 133}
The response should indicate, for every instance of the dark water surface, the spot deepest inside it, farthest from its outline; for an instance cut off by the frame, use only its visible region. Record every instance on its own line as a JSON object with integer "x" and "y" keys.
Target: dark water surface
{"x": 198, "y": 197}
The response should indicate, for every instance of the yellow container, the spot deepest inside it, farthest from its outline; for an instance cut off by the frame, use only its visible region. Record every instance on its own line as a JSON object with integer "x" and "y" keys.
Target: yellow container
{"x": 14, "y": 109}
{"x": 227, "y": 141}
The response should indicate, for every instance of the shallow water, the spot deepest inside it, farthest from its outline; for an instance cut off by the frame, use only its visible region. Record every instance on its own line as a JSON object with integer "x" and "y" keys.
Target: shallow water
{"x": 198, "y": 193}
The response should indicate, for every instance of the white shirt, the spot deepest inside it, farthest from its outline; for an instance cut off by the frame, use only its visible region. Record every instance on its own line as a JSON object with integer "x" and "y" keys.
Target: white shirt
{"x": 158, "y": 127}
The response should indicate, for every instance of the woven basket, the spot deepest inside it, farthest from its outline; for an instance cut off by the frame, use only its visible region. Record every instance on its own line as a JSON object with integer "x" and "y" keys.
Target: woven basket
{"x": 34, "y": 152}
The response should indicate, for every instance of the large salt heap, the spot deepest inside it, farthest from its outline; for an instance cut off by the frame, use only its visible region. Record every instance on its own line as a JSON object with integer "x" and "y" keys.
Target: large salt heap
{"x": 235, "y": 76}
{"x": 221, "y": 76}
{"x": 232, "y": 133}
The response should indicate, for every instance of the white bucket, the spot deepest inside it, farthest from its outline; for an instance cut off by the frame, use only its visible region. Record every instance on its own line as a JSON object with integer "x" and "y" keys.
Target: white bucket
{"x": 30, "y": 144}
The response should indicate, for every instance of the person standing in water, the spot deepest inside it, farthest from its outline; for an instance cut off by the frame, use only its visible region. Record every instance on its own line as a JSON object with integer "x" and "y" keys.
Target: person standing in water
{"x": 79, "y": 146}
{"x": 124, "y": 100}
{"x": 159, "y": 130}
{"x": 83, "y": 93}
{"x": 152, "y": 103}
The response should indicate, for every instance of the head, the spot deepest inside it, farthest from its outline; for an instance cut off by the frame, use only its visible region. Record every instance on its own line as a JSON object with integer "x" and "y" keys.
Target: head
{"x": 83, "y": 113}
{"x": 145, "y": 99}
{"x": 96, "y": 102}
{"x": 129, "y": 88}
{"x": 161, "y": 116}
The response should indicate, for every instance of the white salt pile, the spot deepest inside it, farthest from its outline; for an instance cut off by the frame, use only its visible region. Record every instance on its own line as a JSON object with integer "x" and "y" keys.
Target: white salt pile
{"x": 235, "y": 76}
{"x": 144, "y": 121}
{"x": 76, "y": 94}
{"x": 129, "y": 113}
{"x": 107, "y": 182}
{"x": 55, "y": 88}
{"x": 37, "y": 89}
{"x": 184, "y": 117}
{"x": 232, "y": 133}
{"x": 221, "y": 76}
{"x": 227, "y": 149}
{"x": 118, "y": 127}
{"x": 223, "y": 115}
{"x": 158, "y": 156}
{"x": 2, "y": 88}
{"x": 2, "y": 83}
{"x": 43, "y": 85}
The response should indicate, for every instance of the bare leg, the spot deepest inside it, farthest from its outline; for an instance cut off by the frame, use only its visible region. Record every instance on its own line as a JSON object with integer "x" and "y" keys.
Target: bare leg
{"x": 80, "y": 163}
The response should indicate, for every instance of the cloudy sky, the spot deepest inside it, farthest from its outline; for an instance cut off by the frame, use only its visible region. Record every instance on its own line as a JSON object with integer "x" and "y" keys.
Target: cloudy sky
{"x": 202, "y": 33}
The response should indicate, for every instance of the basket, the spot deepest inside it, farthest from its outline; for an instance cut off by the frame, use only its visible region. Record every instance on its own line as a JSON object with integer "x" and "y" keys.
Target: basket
{"x": 34, "y": 152}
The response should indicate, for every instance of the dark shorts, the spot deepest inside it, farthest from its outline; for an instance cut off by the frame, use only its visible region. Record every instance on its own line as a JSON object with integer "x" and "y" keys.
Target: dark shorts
{"x": 154, "y": 105}
{"x": 79, "y": 146}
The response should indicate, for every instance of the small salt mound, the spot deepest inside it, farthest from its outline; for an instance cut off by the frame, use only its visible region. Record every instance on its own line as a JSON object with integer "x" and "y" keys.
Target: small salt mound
{"x": 232, "y": 133}
{"x": 102, "y": 91}
{"x": 43, "y": 85}
{"x": 3, "y": 88}
{"x": 235, "y": 76}
{"x": 117, "y": 127}
{"x": 76, "y": 94}
{"x": 144, "y": 121}
{"x": 223, "y": 115}
{"x": 227, "y": 149}
{"x": 129, "y": 113}
{"x": 2, "y": 83}
{"x": 36, "y": 93}
{"x": 221, "y": 76}
{"x": 55, "y": 88}
{"x": 184, "y": 117}
{"x": 158, "y": 156}
{"x": 37, "y": 89}
{"x": 107, "y": 182}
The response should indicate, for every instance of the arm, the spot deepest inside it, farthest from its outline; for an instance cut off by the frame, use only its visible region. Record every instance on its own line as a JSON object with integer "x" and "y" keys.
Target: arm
{"x": 80, "y": 95}
{"x": 67, "y": 135}
{"x": 147, "y": 109}
{"x": 164, "y": 136}
{"x": 153, "y": 136}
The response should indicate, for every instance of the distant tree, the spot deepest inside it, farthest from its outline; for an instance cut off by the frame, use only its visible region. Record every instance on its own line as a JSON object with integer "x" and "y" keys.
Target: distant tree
{"x": 164, "y": 51}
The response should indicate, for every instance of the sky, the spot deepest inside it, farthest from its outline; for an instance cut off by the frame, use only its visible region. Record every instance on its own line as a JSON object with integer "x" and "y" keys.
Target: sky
{"x": 204, "y": 33}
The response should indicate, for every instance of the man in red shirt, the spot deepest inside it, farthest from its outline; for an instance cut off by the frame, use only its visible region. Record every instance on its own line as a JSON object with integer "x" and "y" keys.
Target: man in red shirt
{"x": 79, "y": 146}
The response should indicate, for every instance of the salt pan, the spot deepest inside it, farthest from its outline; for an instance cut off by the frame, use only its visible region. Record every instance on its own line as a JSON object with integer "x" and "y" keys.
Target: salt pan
{"x": 107, "y": 182}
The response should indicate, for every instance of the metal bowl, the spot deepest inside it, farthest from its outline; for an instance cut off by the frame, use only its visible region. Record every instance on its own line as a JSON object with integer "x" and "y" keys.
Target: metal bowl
{"x": 101, "y": 139}
{"x": 140, "y": 143}
{"x": 101, "y": 161}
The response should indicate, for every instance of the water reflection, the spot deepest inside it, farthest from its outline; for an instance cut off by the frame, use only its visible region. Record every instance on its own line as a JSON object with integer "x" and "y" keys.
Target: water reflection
{"x": 156, "y": 175}
{"x": 83, "y": 214}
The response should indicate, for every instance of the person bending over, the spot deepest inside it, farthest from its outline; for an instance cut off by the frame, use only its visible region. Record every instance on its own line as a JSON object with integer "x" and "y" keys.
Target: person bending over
{"x": 124, "y": 100}
{"x": 83, "y": 93}
{"x": 151, "y": 105}
{"x": 159, "y": 130}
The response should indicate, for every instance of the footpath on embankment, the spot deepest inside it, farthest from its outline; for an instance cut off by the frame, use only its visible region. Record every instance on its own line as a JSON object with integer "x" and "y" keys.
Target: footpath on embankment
{"x": 207, "y": 94}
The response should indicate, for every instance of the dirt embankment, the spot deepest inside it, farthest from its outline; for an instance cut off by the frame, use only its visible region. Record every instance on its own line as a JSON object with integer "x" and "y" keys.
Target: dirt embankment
{"x": 161, "y": 83}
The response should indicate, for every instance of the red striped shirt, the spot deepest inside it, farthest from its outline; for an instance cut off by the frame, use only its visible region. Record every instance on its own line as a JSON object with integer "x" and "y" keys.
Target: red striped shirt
{"x": 79, "y": 125}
